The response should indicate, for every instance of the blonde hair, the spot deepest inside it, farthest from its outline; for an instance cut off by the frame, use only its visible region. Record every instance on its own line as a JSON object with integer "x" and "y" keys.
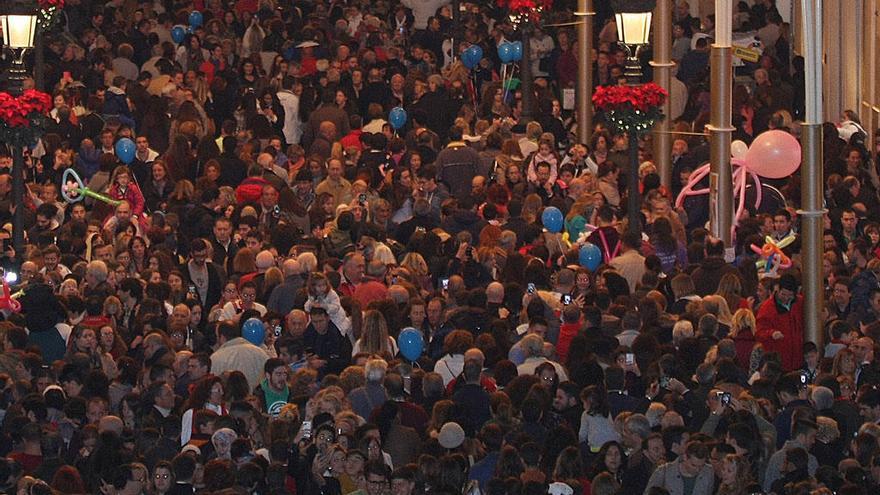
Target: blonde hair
{"x": 717, "y": 306}
{"x": 415, "y": 263}
{"x": 742, "y": 319}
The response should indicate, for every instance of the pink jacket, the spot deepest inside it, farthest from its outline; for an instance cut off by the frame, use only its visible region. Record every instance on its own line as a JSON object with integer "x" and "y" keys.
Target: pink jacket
{"x": 132, "y": 194}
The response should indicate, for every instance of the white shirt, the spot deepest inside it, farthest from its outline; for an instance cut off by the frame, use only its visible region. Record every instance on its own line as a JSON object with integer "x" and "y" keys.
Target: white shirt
{"x": 233, "y": 308}
{"x": 449, "y": 367}
{"x": 292, "y": 126}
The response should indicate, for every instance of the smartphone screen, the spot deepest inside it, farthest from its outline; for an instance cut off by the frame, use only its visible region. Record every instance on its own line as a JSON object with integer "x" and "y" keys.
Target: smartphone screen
{"x": 277, "y": 331}
{"x": 530, "y": 288}
{"x": 444, "y": 283}
{"x": 566, "y": 299}
{"x": 630, "y": 358}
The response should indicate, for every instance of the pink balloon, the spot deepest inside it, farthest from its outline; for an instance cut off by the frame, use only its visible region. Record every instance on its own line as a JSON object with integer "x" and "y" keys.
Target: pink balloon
{"x": 774, "y": 154}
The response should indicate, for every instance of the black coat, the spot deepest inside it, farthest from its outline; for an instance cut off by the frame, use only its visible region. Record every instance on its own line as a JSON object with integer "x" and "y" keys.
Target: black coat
{"x": 330, "y": 346}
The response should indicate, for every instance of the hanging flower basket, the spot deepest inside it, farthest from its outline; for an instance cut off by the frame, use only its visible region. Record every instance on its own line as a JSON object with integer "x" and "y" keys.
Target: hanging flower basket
{"x": 23, "y": 119}
{"x": 50, "y": 11}
{"x": 631, "y": 108}
{"x": 525, "y": 10}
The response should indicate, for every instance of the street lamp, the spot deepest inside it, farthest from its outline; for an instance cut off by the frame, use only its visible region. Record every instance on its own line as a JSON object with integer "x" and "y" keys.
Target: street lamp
{"x": 633, "y": 18}
{"x": 18, "y": 19}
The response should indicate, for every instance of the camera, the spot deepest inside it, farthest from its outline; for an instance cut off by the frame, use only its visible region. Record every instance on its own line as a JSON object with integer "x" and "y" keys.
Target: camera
{"x": 530, "y": 288}
{"x": 566, "y": 299}
{"x": 725, "y": 398}
{"x": 362, "y": 198}
{"x": 192, "y": 289}
{"x": 277, "y": 331}
{"x": 469, "y": 252}
{"x": 307, "y": 429}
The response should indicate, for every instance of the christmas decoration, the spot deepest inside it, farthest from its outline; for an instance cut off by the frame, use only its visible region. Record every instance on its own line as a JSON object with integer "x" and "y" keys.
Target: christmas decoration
{"x": 631, "y": 108}
{"x": 23, "y": 119}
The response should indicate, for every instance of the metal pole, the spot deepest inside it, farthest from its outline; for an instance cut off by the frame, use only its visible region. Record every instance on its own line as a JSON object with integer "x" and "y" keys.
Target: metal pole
{"x": 634, "y": 197}
{"x": 525, "y": 74}
{"x": 663, "y": 65}
{"x": 18, "y": 199}
{"x": 720, "y": 128}
{"x": 39, "y": 61}
{"x": 585, "y": 71}
{"x": 811, "y": 175}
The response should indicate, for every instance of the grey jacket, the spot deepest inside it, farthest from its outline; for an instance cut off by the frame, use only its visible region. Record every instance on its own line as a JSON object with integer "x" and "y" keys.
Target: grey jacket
{"x": 774, "y": 466}
{"x": 668, "y": 476}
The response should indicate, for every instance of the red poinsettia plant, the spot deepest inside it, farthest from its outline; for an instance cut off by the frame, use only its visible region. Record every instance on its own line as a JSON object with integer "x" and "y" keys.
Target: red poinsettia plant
{"x": 631, "y": 108}
{"x": 23, "y": 119}
{"x": 527, "y": 10}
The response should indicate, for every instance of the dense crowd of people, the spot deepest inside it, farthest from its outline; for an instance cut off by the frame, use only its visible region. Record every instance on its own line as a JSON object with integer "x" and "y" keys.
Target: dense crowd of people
{"x": 268, "y": 183}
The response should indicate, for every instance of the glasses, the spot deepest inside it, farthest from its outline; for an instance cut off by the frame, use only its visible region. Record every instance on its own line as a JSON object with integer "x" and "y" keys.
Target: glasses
{"x": 229, "y": 291}
{"x": 161, "y": 476}
{"x": 376, "y": 482}
{"x": 248, "y": 296}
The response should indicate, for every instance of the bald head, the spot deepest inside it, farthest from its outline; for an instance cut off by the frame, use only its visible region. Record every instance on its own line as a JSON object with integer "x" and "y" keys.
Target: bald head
{"x": 475, "y": 354}
{"x": 495, "y": 293}
{"x": 398, "y": 294}
{"x": 111, "y": 424}
{"x": 297, "y": 321}
{"x": 290, "y": 268}
{"x": 265, "y": 160}
{"x": 376, "y": 269}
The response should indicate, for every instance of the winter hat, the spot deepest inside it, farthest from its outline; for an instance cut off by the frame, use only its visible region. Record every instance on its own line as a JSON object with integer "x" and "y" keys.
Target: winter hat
{"x": 451, "y": 435}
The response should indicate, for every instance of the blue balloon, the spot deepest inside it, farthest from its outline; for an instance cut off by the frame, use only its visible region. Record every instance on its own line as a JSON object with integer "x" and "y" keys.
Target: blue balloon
{"x": 472, "y": 56}
{"x": 411, "y": 343}
{"x": 397, "y": 117}
{"x": 517, "y": 51}
{"x": 253, "y": 331}
{"x": 552, "y": 219}
{"x": 590, "y": 257}
{"x": 195, "y": 18}
{"x": 125, "y": 150}
{"x": 505, "y": 52}
{"x": 178, "y": 34}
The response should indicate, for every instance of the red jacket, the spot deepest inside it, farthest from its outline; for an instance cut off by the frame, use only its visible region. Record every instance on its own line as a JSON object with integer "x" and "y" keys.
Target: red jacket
{"x": 791, "y": 324}
{"x": 567, "y": 331}
{"x": 132, "y": 194}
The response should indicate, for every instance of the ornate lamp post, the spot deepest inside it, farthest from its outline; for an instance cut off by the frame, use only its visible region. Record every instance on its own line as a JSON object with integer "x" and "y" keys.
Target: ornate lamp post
{"x": 633, "y": 18}
{"x": 18, "y": 20}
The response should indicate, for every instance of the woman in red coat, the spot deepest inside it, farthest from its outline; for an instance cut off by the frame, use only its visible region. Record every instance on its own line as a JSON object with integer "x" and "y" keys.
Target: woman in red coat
{"x": 781, "y": 323}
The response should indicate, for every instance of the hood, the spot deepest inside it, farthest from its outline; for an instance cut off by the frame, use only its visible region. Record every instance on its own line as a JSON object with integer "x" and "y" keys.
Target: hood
{"x": 116, "y": 91}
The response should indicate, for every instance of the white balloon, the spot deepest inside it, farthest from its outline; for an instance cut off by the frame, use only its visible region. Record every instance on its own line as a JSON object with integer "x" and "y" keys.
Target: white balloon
{"x": 738, "y": 149}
